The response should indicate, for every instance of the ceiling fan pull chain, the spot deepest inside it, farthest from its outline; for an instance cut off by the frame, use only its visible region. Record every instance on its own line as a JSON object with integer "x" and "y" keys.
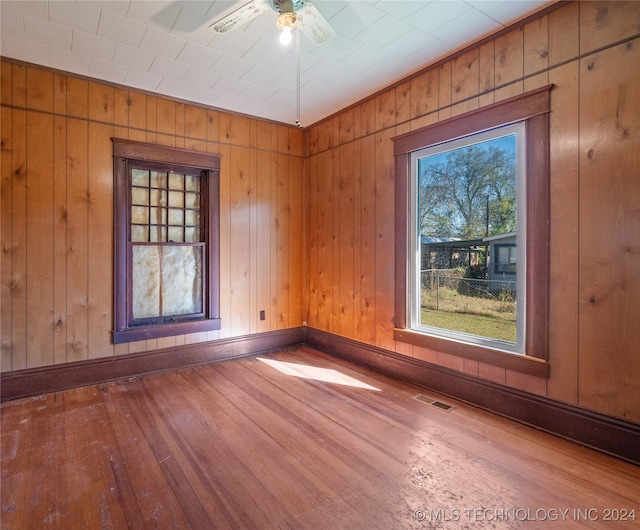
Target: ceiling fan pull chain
{"x": 298, "y": 123}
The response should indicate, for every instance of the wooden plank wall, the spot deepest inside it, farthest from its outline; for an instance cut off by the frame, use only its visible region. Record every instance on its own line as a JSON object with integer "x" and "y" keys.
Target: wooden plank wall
{"x": 590, "y": 51}
{"x": 57, "y": 214}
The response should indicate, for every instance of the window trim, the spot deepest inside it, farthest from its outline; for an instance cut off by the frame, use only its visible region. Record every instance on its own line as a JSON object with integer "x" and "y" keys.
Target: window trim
{"x": 533, "y": 109}
{"x": 125, "y": 151}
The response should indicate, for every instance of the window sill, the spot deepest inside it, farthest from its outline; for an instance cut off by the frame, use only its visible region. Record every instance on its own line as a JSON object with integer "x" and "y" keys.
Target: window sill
{"x": 511, "y": 361}
{"x": 165, "y": 330}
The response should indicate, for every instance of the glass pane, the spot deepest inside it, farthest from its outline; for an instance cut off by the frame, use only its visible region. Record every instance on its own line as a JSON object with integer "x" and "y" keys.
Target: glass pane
{"x": 176, "y": 182}
{"x": 192, "y": 183}
{"x": 176, "y": 217}
{"x": 140, "y": 196}
{"x": 192, "y": 218}
{"x": 181, "y": 280}
{"x": 158, "y": 197}
{"x": 139, "y": 214}
{"x": 146, "y": 281}
{"x": 139, "y": 233}
{"x": 176, "y": 234}
{"x": 192, "y": 200}
{"x": 176, "y": 199}
{"x": 140, "y": 177}
{"x": 466, "y": 213}
{"x": 191, "y": 235}
{"x": 158, "y": 234}
{"x": 158, "y": 179}
{"x": 158, "y": 216}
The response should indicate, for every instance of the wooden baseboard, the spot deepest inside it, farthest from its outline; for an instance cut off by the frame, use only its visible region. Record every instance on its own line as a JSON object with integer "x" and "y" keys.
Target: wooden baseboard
{"x": 598, "y": 431}
{"x": 35, "y": 381}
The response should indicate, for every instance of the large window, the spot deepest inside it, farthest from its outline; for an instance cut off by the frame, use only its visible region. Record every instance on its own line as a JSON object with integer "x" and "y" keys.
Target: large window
{"x": 468, "y": 192}
{"x": 166, "y": 254}
{"x": 472, "y": 216}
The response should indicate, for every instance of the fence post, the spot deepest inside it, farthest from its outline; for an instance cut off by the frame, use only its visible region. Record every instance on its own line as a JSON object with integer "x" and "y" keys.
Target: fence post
{"x": 438, "y": 293}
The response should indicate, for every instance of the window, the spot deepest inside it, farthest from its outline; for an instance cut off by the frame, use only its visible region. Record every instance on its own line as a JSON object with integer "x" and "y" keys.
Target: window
{"x": 506, "y": 259}
{"x": 166, "y": 242}
{"x": 472, "y": 194}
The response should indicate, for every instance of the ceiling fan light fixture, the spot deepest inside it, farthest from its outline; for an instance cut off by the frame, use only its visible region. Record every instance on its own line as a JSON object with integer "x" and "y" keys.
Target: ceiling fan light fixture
{"x": 286, "y": 21}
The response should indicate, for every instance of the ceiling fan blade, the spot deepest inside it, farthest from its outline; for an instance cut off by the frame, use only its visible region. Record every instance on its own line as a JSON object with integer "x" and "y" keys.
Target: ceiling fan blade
{"x": 313, "y": 24}
{"x": 240, "y": 16}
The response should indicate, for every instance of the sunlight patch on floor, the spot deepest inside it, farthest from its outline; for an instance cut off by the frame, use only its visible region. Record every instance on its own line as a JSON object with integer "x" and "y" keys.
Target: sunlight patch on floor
{"x": 327, "y": 375}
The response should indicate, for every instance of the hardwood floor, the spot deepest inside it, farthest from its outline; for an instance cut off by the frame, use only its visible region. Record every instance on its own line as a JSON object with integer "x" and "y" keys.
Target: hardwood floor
{"x": 294, "y": 439}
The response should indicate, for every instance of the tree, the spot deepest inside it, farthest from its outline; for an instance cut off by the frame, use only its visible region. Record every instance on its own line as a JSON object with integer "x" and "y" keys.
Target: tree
{"x": 468, "y": 192}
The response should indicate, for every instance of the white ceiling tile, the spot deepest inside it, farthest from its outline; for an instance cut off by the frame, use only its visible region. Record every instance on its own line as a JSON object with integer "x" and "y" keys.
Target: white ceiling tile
{"x": 200, "y": 56}
{"x": 117, "y": 7}
{"x": 34, "y": 8}
{"x": 120, "y": 29}
{"x": 203, "y": 95}
{"x": 93, "y": 46}
{"x": 157, "y": 14}
{"x": 285, "y": 82}
{"x": 107, "y": 70}
{"x": 143, "y": 80}
{"x": 173, "y": 88}
{"x": 230, "y": 101}
{"x": 48, "y": 33}
{"x": 169, "y": 68}
{"x": 231, "y": 66}
{"x": 23, "y": 50}
{"x": 68, "y": 61}
{"x": 399, "y": 9}
{"x": 355, "y": 17}
{"x": 200, "y": 77}
{"x": 435, "y": 14}
{"x": 257, "y": 92}
{"x": 260, "y": 74}
{"x": 12, "y": 23}
{"x": 155, "y": 41}
{"x": 231, "y": 84}
{"x": 235, "y": 43}
{"x": 507, "y": 12}
{"x": 456, "y": 32}
{"x": 133, "y": 57}
{"x": 83, "y": 16}
{"x": 269, "y": 54}
{"x": 382, "y": 32}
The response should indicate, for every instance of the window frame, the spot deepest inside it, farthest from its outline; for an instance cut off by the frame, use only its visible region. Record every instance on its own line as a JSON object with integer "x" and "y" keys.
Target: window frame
{"x": 532, "y": 109}
{"x": 126, "y": 153}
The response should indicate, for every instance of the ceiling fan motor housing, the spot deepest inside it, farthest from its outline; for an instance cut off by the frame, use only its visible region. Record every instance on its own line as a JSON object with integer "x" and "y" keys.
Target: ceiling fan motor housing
{"x": 286, "y": 6}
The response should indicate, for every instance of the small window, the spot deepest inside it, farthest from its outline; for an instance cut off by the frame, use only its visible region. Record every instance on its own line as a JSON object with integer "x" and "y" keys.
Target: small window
{"x": 166, "y": 215}
{"x": 506, "y": 259}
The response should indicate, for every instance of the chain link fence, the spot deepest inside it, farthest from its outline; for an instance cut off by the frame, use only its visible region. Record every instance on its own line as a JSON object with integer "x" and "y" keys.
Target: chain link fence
{"x": 447, "y": 290}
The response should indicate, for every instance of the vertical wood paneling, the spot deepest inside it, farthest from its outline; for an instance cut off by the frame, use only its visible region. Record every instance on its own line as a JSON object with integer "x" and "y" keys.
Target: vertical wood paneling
{"x": 610, "y": 231}
{"x": 227, "y": 268}
{"x": 240, "y": 220}
{"x": 368, "y": 240}
{"x": 18, "y": 283}
{"x": 324, "y": 240}
{"x": 444, "y": 91}
{"x": 39, "y": 236}
{"x": 100, "y": 248}
{"x": 296, "y": 240}
{"x": 536, "y": 46}
{"x": 283, "y": 222}
{"x": 263, "y": 238}
{"x": 606, "y": 22}
{"x": 385, "y": 239}
{"x": 6, "y": 215}
{"x": 357, "y": 239}
{"x": 311, "y": 202}
{"x": 60, "y": 217}
{"x": 346, "y": 239}
{"x": 77, "y": 239}
{"x": 564, "y": 230}
{"x": 564, "y": 35}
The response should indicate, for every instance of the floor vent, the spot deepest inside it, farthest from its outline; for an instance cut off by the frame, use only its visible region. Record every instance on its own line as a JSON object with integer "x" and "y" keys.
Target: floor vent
{"x": 434, "y": 402}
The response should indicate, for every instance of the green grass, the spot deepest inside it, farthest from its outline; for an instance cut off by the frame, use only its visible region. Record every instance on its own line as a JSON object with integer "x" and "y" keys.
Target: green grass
{"x": 484, "y": 326}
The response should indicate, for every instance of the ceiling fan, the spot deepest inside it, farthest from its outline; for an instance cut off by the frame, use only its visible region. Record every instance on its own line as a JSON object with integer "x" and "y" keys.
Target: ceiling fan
{"x": 290, "y": 13}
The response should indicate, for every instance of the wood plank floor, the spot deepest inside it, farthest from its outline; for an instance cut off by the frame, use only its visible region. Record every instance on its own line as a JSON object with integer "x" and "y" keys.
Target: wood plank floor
{"x": 294, "y": 439}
